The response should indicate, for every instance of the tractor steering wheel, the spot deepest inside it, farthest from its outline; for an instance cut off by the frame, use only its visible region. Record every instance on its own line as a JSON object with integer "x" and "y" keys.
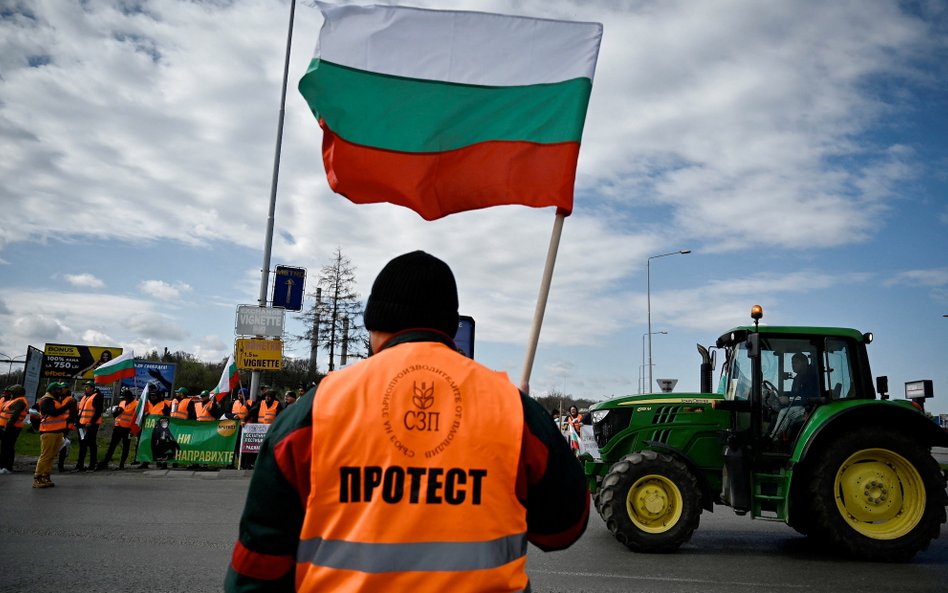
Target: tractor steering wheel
{"x": 771, "y": 395}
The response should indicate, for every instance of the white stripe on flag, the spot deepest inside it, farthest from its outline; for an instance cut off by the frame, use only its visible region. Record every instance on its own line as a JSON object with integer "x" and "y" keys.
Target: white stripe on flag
{"x": 458, "y": 46}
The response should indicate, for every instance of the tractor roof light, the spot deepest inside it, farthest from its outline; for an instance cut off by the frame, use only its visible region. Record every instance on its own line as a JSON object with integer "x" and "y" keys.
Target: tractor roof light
{"x": 757, "y": 312}
{"x": 867, "y": 337}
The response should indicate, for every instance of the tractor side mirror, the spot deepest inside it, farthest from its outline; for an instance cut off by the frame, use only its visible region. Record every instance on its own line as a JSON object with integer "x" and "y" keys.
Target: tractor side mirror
{"x": 882, "y": 386}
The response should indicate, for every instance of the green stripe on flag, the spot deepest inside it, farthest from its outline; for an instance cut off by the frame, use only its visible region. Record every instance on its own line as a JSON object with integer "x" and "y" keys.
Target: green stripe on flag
{"x": 410, "y": 115}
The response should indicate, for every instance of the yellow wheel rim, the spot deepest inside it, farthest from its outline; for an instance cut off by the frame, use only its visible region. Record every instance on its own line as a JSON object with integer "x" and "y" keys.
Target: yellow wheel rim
{"x": 654, "y": 504}
{"x": 880, "y": 494}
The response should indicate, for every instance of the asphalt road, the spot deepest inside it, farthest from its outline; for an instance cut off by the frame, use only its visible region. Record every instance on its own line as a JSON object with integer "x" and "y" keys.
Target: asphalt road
{"x": 173, "y": 531}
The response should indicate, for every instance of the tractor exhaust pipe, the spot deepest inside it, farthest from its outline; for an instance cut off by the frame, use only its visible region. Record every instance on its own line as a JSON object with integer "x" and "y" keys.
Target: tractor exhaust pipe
{"x": 707, "y": 367}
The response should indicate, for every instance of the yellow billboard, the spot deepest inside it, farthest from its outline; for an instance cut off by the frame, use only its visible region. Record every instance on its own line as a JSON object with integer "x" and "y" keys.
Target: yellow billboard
{"x": 74, "y": 361}
{"x": 259, "y": 355}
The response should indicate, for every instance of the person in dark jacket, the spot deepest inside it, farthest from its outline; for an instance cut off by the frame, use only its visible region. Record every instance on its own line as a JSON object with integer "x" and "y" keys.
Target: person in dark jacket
{"x": 459, "y": 435}
{"x": 90, "y": 418}
{"x": 12, "y": 417}
{"x": 121, "y": 431}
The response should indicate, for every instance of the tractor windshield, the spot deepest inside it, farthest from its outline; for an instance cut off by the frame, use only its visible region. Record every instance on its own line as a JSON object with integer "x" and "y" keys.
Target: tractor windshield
{"x": 788, "y": 366}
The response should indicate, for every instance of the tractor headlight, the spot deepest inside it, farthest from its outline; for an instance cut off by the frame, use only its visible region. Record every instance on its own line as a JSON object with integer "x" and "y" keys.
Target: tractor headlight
{"x": 599, "y": 415}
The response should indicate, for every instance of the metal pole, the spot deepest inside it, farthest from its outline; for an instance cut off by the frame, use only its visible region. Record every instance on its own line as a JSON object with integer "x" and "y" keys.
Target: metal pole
{"x": 268, "y": 243}
{"x": 642, "y": 367}
{"x": 648, "y": 297}
{"x": 648, "y": 305}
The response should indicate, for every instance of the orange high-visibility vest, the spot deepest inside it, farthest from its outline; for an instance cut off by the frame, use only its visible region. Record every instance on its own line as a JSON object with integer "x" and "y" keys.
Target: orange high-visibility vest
{"x": 182, "y": 410}
{"x": 239, "y": 411}
{"x": 438, "y": 447}
{"x": 157, "y": 409}
{"x": 204, "y": 411}
{"x": 6, "y": 413}
{"x": 58, "y": 421}
{"x": 267, "y": 413}
{"x": 86, "y": 411}
{"x": 127, "y": 417}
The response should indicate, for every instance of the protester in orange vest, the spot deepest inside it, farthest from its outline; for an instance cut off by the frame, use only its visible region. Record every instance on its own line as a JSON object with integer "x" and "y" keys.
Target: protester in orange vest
{"x": 207, "y": 409}
{"x": 267, "y": 409}
{"x": 54, "y": 417}
{"x": 415, "y": 448}
{"x": 239, "y": 409}
{"x": 157, "y": 405}
{"x": 72, "y": 423}
{"x": 125, "y": 414}
{"x": 90, "y": 419}
{"x": 183, "y": 407}
{"x": 12, "y": 416}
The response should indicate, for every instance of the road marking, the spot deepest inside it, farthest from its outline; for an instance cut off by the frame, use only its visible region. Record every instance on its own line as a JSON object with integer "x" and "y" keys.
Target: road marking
{"x": 763, "y": 585}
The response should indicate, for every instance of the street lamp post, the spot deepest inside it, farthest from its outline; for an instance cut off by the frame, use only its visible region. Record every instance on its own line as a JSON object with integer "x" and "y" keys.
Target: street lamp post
{"x": 12, "y": 360}
{"x": 642, "y": 367}
{"x": 648, "y": 297}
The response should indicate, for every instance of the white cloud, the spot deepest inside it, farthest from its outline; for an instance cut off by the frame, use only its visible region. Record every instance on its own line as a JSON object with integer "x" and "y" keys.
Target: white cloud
{"x": 84, "y": 280}
{"x": 162, "y": 290}
{"x": 155, "y": 327}
{"x": 39, "y": 328}
{"x": 931, "y": 277}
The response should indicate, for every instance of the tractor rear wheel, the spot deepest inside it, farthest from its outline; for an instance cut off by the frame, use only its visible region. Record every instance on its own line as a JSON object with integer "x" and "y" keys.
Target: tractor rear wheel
{"x": 877, "y": 495}
{"x": 650, "y": 502}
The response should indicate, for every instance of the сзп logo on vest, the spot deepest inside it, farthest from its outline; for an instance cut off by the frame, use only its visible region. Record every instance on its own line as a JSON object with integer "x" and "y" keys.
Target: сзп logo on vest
{"x": 415, "y": 415}
{"x": 423, "y": 398}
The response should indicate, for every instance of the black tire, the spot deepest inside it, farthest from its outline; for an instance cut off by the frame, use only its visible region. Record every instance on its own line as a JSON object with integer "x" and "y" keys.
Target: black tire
{"x": 876, "y": 494}
{"x": 650, "y": 502}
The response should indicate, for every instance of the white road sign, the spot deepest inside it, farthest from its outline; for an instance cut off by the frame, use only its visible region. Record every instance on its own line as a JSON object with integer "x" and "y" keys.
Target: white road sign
{"x": 259, "y": 321}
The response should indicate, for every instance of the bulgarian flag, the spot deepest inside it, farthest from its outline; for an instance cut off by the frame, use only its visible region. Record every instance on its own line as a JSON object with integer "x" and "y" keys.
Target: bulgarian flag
{"x": 447, "y": 111}
{"x": 229, "y": 379}
{"x": 573, "y": 439}
{"x": 140, "y": 412}
{"x": 116, "y": 369}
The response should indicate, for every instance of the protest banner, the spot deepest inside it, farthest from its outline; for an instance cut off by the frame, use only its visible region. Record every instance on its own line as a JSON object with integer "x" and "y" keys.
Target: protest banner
{"x": 251, "y": 437}
{"x": 188, "y": 441}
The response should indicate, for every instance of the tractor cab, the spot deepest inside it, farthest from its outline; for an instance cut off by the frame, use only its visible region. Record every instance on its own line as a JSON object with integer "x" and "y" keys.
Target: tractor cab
{"x": 776, "y": 377}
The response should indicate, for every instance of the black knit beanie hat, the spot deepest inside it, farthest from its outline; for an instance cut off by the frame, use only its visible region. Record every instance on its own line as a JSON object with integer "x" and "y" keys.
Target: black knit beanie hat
{"x": 414, "y": 290}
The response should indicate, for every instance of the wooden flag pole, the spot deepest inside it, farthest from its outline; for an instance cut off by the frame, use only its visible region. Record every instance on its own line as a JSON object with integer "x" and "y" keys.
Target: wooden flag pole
{"x": 541, "y": 301}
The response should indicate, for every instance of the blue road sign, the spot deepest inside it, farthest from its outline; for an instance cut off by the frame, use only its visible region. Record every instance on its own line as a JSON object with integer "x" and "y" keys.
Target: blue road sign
{"x": 288, "y": 288}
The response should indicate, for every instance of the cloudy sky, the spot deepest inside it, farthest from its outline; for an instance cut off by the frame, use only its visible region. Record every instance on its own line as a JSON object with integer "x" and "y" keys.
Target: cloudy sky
{"x": 797, "y": 148}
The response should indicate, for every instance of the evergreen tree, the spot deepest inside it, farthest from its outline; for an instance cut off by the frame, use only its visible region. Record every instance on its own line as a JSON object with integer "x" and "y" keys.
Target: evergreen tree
{"x": 334, "y": 321}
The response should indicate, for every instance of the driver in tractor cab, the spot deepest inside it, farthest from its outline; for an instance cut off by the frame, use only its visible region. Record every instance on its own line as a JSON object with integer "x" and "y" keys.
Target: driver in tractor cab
{"x": 804, "y": 391}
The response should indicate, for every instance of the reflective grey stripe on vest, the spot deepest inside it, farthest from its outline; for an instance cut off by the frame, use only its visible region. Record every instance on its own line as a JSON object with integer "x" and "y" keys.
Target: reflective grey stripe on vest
{"x": 425, "y": 556}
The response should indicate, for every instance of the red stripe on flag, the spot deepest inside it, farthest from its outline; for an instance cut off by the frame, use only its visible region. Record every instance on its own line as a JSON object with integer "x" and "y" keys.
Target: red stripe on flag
{"x": 116, "y": 376}
{"x": 437, "y": 184}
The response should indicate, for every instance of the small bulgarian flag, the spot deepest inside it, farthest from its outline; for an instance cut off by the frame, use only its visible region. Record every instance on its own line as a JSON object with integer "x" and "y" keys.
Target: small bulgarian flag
{"x": 446, "y": 111}
{"x": 122, "y": 367}
{"x": 140, "y": 411}
{"x": 230, "y": 378}
{"x": 573, "y": 439}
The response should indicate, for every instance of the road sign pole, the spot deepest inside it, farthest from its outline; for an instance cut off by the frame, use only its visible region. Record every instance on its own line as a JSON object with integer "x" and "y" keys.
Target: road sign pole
{"x": 268, "y": 244}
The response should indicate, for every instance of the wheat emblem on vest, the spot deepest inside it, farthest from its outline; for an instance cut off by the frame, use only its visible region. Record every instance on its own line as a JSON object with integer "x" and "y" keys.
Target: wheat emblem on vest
{"x": 423, "y": 396}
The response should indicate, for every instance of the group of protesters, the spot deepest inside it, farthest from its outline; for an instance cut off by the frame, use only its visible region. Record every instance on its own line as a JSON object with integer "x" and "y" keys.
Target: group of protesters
{"x": 57, "y": 413}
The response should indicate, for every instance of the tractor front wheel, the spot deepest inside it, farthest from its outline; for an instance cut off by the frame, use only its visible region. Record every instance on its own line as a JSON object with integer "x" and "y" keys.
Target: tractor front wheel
{"x": 877, "y": 495}
{"x": 650, "y": 502}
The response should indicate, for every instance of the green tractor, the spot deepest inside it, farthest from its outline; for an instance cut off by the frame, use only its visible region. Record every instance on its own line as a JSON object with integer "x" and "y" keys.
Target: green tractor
{"x": 793, "y": 433}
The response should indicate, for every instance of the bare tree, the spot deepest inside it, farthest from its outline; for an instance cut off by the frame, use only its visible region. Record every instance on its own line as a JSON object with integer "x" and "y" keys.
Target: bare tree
{"x": 334, "y": 322}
